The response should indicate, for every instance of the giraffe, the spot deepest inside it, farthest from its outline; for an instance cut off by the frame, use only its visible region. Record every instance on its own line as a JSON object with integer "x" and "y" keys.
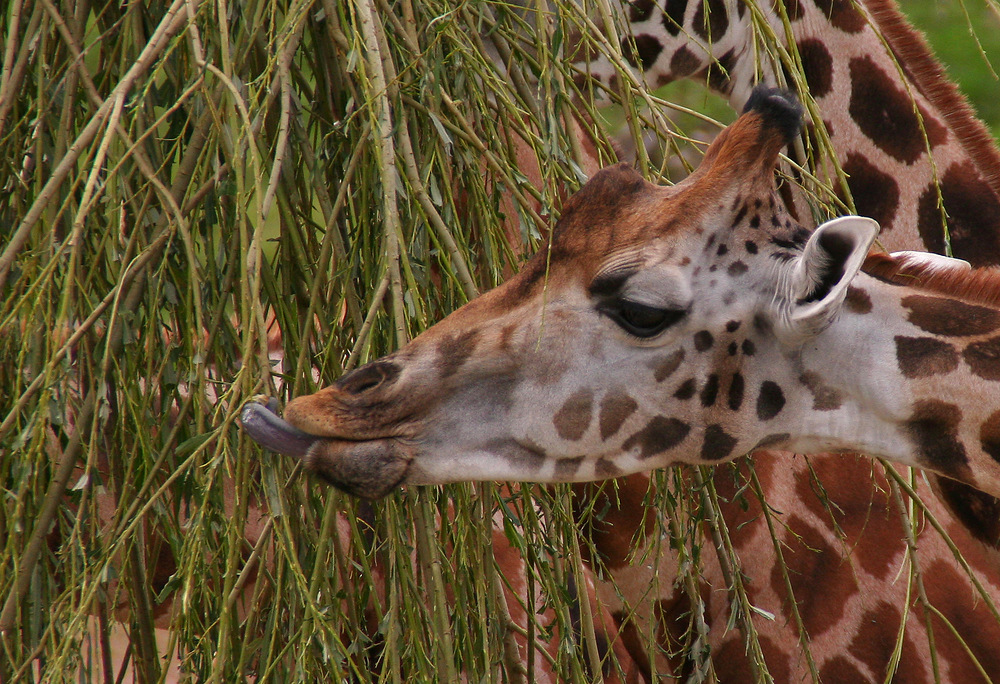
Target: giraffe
{"x": 913, "y": 153}
{"x": 687, "y": 324}
{"x": 912, "y": 149}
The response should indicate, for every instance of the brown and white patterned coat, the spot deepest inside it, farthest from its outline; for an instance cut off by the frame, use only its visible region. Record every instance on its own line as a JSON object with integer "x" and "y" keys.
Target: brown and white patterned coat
{"x": 685, "y": 324}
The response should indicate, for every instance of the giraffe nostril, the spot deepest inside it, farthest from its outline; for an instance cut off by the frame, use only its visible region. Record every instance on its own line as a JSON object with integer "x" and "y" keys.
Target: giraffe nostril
{"x": 368, "y": 377}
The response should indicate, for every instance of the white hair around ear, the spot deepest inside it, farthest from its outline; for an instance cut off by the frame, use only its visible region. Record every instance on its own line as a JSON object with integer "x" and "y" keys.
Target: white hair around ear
{"x": 832, "y": 257}
{"x": 933, "y": 263}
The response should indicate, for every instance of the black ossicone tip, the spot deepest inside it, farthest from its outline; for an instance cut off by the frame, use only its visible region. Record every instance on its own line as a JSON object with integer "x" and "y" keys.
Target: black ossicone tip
{"x": 780, "y": 108}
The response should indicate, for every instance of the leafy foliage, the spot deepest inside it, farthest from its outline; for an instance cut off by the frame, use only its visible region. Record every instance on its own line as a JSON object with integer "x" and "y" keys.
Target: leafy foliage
{"x": 178, "y": 179}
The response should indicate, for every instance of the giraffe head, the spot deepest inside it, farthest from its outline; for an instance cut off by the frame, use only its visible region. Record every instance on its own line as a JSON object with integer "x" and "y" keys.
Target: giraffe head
{"x": 640, "y": 336}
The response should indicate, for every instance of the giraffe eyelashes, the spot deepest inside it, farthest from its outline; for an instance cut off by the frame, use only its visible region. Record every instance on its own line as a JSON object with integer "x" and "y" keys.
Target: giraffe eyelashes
{"x": 643, "y": 302}
{"x": 641, "y": 320}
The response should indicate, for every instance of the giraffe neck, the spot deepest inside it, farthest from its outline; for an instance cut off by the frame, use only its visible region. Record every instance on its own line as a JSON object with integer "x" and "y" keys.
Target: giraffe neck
{"x": 900, "y": 130}
{"x": 921, "y": 384}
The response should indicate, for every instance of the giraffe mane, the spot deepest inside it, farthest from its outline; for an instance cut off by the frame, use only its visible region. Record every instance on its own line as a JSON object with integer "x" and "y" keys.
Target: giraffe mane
{"x": 975, "y": 286}
{"x": 911, "y": 49}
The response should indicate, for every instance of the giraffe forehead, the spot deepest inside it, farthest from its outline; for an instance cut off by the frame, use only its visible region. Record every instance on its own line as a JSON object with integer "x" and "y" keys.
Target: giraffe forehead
{"x": 618, "y": 215}
{"x": 616, "y": 211}
{"x": 647, "y": 243}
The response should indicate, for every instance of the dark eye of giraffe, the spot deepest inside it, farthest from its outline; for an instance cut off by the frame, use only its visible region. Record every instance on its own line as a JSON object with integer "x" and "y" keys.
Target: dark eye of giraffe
{"x": 642, "y": 320}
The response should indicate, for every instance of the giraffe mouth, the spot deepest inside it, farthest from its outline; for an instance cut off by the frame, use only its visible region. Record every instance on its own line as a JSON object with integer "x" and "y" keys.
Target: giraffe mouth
{"x": 369, "y": 469}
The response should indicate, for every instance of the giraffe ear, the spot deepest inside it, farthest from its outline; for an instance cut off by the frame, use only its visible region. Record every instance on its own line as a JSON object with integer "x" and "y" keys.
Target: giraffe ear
{"x": 820, "y": 276}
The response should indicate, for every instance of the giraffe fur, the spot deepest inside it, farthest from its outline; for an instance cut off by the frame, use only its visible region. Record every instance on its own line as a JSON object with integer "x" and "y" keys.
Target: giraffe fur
{"x": 448, "y": 352}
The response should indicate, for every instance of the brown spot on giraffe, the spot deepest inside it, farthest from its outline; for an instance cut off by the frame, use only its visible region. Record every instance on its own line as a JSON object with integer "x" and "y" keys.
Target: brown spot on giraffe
{"x": 735, "y": 392}
{"x": 965, "y": 611}
{"x": 793, "y": 8}
{"x": 606, "y": 470}
{"x": 842, "y": 15}
{"x": 989, "y": 436}
{"x": 665, "y": 367}
{"x": 739, "y": 505}
{"x": 875, "y": 192}
{"x": 740, "y": 215}
{"x": 812, "y": 562}
{"x": 635, "y": 643}
{"x": 673, "y": 16}
{"x": 507, "y": 337}
{"x": 858, "y": 301}
{"x": 616, "y": 407}
{"x": 710, "y": 391}
{"x": 718, "y": 72}
{"x": 674, "y": 616}
{"x": 885, "y": 113}
{"x": 614, "y": 516}
{"x": 971, "y": 206}
{"x": 659, "y": 435}
{"x": 921, "y": 357}
{"x": 824, "y": 398}
{"x": 933, "y": 428}
{"x": 567, "y": 468}
{"x": 718, "y": 444}
{"x": 684, "y": 63}
{"x": 572, "y": 420}
{"x": 717, "y": 16}
{"x": 733, "y": 665}
{"x": 530, "y": 455}
{"x": 984, "y": 358}
{"x": 978, "y": 512}
{"x": 737, "y": 268}
{"x": 686, "y": 390}
{"x": 770, "y": 400}
{"x": 876, "y": 641}
{"x": 943, "y": 316}
{"x": 640, "y": 10}
{"x": 641, "y": 51}
{"x": 832, "y": 491}
{"x": 817, "y": 65}
{"x": 842, "y": 670}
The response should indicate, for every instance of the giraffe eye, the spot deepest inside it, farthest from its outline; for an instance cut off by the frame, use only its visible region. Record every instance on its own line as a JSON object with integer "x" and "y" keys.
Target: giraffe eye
{"x": 642, "y": 320}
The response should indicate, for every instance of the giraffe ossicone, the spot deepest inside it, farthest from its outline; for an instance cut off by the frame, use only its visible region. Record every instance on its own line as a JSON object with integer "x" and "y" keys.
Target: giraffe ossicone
{"x": 660, "y": 325}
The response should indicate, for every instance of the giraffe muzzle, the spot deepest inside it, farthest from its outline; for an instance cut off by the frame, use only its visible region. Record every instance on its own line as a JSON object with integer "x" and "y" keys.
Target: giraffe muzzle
{"x": 369, "y": 469}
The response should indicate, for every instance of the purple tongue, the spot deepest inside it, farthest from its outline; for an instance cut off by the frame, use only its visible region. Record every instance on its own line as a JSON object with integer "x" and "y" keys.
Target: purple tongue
{"x": 270, "y": 431}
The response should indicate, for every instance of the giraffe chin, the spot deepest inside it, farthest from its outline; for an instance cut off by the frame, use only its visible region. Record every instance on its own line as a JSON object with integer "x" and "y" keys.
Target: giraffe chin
{"x": 368, "y": 469}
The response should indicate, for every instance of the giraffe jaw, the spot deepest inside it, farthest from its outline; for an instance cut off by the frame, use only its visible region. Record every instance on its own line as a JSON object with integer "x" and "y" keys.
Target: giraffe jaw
{"x": 368, "y": 469}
